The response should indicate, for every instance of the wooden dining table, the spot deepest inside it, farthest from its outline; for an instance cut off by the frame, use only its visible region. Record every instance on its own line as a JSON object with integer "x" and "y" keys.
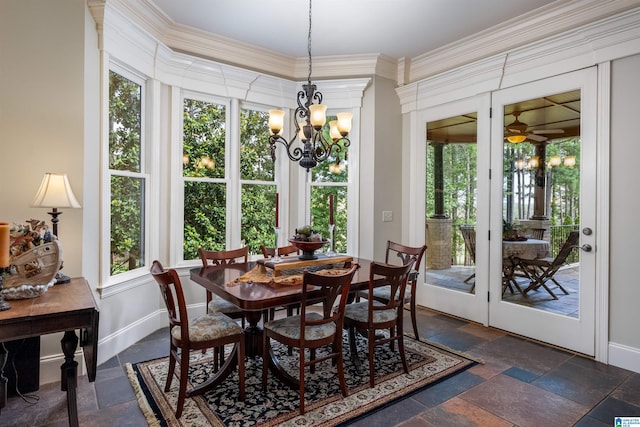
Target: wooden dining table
{"x": 259, "y": 298}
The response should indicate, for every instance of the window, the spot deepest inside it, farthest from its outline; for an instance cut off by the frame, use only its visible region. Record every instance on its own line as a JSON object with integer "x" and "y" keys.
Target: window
{"x": 127, "y": 178}
{"x": 257, "y": 180}
{"x": 331, "y": 178}
{"x": 203, "y": 171}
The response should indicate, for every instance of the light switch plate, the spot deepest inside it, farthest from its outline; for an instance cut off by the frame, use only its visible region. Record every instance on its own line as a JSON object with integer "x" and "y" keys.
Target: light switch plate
{"x": 387, "y": 216}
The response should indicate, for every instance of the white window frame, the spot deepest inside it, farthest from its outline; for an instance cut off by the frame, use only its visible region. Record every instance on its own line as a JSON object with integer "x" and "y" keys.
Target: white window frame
{"x": 107, "y": 280}
{"x": 178, "y": 180}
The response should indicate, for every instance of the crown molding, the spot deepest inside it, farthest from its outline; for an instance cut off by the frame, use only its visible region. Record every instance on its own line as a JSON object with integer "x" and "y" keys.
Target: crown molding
{"x": 192, "y": 41}
{"x": 555, "y": 18}
{"x": 605, "y": 40}
{"x": 539, "y": 24}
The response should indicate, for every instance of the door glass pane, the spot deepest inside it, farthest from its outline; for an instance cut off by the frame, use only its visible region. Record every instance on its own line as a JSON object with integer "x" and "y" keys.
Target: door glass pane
{"x": 541, "y": 190}
{"x": 451, "y": 197}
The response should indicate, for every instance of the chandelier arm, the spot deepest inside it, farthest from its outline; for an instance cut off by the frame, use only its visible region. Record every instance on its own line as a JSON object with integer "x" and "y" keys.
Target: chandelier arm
{"x": 304, "y": 100}
{"x": 296, "y": 154}
{"x": 325, "y": 149}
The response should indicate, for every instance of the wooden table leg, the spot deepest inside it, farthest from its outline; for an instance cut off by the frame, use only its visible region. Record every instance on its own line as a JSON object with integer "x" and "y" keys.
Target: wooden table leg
{"x": 69, "y": 377}
{"x": 253, "y": 334}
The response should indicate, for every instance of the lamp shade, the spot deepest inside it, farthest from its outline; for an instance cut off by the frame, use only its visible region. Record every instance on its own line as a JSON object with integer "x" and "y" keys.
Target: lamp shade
{"x": 276, "y": 121}
{"x": 55, "y": 192}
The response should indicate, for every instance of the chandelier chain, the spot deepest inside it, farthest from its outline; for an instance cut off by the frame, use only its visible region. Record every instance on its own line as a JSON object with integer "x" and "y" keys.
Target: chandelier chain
{"x": 309, "y": 44}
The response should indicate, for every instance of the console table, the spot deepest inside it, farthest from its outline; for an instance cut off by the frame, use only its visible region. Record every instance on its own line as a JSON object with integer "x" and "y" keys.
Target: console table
{"x": 63, "y": 308}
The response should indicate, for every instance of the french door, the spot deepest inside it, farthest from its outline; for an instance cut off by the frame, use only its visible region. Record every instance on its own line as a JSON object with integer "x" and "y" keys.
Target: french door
{"x": 456, "y": 195}
{"x": 479, "y": 183}
{"x": 545, "y": 182}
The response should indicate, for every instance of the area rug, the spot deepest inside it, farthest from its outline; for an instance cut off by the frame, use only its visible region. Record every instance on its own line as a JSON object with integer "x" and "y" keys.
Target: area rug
{"x": 278, "y": 406}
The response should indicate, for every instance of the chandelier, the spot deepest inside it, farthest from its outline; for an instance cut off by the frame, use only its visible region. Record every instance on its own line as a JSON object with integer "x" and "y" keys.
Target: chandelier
{"x": 310, "y": 118}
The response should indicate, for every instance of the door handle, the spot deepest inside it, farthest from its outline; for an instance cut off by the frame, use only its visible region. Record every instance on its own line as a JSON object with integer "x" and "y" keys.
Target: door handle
{"x": 586, "y": 247}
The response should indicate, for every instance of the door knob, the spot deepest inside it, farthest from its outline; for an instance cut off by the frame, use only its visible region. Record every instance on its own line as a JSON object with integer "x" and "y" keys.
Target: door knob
{"x": 586, "y": 247}
{"x": 587, "y": 231}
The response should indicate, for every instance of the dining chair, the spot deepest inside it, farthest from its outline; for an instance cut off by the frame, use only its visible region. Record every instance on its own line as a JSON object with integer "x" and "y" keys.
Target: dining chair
{"x": 213, "y": 330}
{"x": 542, "y": 270}
{"x": 404, "y": 254}
{"x": 215, "y": 304}
{"x": 283, "y": 251}
{"x": 510, "y": 268}
{"x": 312, "y": 330}
{"x": 372, "y": 315}
{"x": 537, "y": 233}
{"x": 469, "y": 237}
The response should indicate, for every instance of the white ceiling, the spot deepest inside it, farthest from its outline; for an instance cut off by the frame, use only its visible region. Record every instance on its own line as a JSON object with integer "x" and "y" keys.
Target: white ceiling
{"x": 396, "y": 28}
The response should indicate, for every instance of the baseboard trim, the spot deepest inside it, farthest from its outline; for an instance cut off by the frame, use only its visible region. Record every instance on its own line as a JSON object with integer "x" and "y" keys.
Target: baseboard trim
{"x": 624, "y": 356}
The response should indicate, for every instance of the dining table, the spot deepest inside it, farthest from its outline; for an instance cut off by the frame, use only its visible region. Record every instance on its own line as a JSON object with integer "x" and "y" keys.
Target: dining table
{"x": 526, "y": 249}
{"x": 513, "y": 251}
{"x": 257, "y": 298}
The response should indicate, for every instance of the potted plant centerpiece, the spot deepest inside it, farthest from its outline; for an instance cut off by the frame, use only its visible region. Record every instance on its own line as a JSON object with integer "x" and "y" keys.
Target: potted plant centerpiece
{"x": 308, "y": 241}
{"x": 513, "y": 232}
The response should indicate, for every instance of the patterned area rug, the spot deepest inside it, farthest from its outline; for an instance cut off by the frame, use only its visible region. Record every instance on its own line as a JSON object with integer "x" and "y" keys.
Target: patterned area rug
{"x": 278, "y": 406}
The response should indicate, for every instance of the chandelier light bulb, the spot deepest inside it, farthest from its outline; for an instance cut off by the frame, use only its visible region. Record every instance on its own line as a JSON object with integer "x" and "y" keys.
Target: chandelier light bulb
{"x": 334, "y": 133}
{"x": 301, "y": 135}
{"x": 344, "y": 123}
{"x": 318, "y": 113}
{"x": 276, "y": 121}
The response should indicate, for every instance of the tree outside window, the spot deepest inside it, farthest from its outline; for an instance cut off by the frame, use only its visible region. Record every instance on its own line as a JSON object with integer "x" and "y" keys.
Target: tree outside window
{"x": 127, "y": 180}
{"x": 203, "y": 171}
{"x": 257, "y": 181}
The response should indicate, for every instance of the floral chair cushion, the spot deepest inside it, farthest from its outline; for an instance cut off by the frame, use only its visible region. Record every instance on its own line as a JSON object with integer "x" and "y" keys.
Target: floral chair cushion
{"x": 220, "y": 305}
{"x": 360, "y": 313}
{"x": 290, "y": 327}
{"x": 385, "y": 292}
{"x": 209, "y": 327}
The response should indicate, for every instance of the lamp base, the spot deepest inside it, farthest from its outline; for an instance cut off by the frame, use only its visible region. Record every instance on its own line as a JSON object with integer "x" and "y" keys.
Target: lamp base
{"x": 62, "y": 278}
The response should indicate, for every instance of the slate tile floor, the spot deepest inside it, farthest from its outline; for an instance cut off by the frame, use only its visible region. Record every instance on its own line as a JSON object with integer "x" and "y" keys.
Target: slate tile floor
{"x": 521, "y": 383}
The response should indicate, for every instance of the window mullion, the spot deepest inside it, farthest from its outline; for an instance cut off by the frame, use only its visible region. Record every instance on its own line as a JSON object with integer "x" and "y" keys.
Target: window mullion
{"x": 234, "y": 189}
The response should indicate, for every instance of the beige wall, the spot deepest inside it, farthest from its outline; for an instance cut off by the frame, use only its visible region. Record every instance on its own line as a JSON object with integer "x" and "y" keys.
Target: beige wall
{"x": 625, "y": 204}
{"x": 42, "y": 115}
{"x": 380, "y": 168}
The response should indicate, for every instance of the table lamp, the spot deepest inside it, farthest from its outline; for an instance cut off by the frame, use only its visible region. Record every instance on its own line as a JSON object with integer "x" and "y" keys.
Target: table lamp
{"x": 55, "y": 192}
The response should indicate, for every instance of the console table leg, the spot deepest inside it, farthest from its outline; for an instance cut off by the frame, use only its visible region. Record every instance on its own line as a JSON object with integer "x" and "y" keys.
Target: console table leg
{"x": 3, "y": 380}
{"x": 69, "y": 375}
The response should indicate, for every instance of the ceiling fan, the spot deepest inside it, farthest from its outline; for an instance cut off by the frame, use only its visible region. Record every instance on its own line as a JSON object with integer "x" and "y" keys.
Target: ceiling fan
{"x": 516, "y": 132}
